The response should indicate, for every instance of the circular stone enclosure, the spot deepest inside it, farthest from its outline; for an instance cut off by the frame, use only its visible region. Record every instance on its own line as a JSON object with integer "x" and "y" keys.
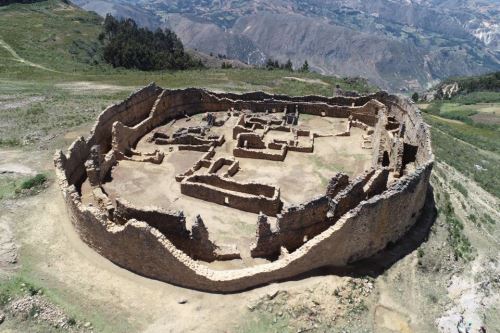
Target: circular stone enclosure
{"x": 222, "y": 192}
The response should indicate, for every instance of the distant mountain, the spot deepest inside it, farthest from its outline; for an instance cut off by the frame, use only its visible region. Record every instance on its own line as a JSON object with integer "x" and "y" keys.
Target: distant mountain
{"x": 405, "y": 44}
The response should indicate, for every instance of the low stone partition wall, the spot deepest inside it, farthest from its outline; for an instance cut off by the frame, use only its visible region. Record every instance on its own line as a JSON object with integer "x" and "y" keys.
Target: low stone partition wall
{"x": 262, "y": 154}
{"x": 250, "y": 140}
{"x": 249, "y": 197}
{"x": 251, "y": 145}
{"x": 219, "y": 163}
{"x": 205, "y": 161}
{"x": 360, "y": 232}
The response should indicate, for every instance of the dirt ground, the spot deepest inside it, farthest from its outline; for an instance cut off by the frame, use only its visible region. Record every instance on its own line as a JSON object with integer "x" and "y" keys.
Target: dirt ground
{"x": 147, "y": 184}
{"x": 427, "y": 290}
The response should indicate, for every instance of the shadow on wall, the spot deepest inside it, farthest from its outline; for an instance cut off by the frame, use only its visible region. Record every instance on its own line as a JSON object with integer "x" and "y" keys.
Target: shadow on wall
{"x": 380, "y": 262}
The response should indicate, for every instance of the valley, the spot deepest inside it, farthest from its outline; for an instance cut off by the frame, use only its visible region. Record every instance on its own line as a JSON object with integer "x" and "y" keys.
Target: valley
{"x": 52, "y": 87}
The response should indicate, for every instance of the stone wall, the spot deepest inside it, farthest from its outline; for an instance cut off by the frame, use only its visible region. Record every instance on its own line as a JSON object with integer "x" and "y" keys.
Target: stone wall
{"x": 196, "y": 243}
{"x": 359, "y": 233}
{"x": 249, "y": 197}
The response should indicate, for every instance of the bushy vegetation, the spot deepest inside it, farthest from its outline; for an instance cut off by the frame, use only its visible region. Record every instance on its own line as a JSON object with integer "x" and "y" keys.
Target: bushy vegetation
{"x": 488, "y": 82}
{"x": 477, "y": 97}
{"x": 8, "y": 2}
{"x": 460, "y": 244}
{"x": 305, "y": 67}
{"x": 126, "y": 45}
{"x": 35, "y": 181}
{"x": 460, "y": 187}
{"x": 12, "y": 187}
{"x": 275, "y": 64}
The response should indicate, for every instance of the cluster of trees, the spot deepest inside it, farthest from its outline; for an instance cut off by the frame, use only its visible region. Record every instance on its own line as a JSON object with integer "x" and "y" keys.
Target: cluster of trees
{"x": 8, "y": 2}
{"x": 275, "y": 64}
{"x": 127, "y": 45}
{"x": 487, "y": 82}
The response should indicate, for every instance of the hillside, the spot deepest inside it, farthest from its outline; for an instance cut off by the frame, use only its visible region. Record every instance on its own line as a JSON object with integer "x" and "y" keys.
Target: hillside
{"x": 467, "y": 109}
{"x": 49, "y": 52}
{"x": 53, "y": 84}
{"x": 422, "y": 41}
{"x": 464, "y": 87}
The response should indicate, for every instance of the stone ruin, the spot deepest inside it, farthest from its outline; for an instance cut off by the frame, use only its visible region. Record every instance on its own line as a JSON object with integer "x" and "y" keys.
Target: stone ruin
{"x": 165, "y": 173}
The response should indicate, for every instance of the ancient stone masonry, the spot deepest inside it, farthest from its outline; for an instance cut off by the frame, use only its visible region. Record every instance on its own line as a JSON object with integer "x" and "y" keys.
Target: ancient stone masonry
{"x": 250, "y": 197}
{"x": 169, "y": 182}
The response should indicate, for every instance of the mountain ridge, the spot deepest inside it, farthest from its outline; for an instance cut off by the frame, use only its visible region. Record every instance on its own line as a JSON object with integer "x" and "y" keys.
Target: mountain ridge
{"x": 410, "y": 45}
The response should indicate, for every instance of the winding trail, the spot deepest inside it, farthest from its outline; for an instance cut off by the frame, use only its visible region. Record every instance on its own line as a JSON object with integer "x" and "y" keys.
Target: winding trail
{"x": 18, "y": 58}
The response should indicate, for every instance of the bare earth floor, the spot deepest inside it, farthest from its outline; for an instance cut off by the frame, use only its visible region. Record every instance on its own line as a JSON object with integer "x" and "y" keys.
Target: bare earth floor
{"x": 148, "y": 184}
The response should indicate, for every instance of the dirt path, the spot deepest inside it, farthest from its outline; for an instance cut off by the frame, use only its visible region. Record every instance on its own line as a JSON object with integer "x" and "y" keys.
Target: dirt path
{"x": 55, "y": 255}
{"x": 18, "y": 58}
{"x": 8, "y": 247}
{"x": 313, "y": 81}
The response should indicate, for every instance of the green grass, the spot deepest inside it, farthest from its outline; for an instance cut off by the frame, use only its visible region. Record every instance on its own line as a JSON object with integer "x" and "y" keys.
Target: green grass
{"x": 477, "y": 97}
{"x": 62, "y": 39}
{"x": 460, "y": 188}
{"x": 265, "y": 322}
{"x": 31, "y": 280}
{"x": 11, "y": 187}
{"x": 458, "y": 241}
{"x": 33, "y": 182}
{"x": 467, "y": 158}
{"x": 481, "y": 137}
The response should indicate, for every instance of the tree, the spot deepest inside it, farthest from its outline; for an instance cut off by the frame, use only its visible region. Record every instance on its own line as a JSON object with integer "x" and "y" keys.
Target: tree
{"x": 270, "y": 64}
{"x": 288, "y": 66}
{"x": 415, "y": 97}
{"x": 305, "y": 67}
{"x": 127, "y": 45}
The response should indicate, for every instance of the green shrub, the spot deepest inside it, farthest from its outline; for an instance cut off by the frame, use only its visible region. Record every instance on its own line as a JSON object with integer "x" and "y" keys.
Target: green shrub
{"x": 460, "y": 244}
{"x": 488, "y": 219}
{"x": 461, "y": 188}
{"x": 35, "y": 181}
{"x": 9, "y": 142}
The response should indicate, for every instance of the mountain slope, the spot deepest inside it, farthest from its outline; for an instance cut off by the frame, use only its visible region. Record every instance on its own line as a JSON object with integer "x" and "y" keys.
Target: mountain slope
{"x": 396, "y": 44}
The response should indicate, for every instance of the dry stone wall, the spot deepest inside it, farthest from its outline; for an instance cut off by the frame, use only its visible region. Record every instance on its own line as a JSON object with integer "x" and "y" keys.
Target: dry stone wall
{"x": 362, "y": 226}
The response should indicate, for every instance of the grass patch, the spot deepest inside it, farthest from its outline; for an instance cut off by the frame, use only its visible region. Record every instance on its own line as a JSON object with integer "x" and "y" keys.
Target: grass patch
{"x": 483, "y": 137}
{"x": 460, "y": 187}
{"x": 479, "y": 165}
{"x": 477, "y": 97}
{"x": 9, "y": 142}
{"x": 29, "y": 280}
{"x": 12, "y": 187}
{"x": 33, "y": 182}
{"x": 16, "y": 287}
{"x": 488, "y": 219}
{"x": 264, "y": 322}
{"x": 460, "y": 244}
